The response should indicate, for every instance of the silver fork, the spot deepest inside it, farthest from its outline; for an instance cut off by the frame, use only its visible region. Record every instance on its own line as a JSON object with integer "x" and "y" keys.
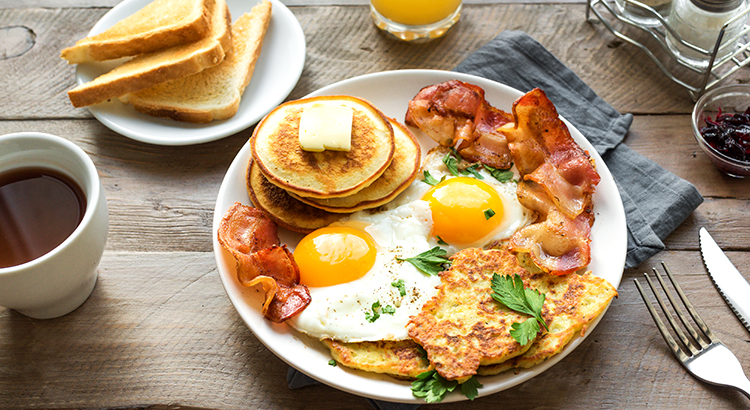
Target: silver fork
{"x": 705, "y": 357}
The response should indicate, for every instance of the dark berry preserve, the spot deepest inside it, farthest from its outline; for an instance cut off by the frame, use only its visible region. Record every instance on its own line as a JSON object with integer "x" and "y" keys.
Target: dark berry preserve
{"x": 729, "y": 134}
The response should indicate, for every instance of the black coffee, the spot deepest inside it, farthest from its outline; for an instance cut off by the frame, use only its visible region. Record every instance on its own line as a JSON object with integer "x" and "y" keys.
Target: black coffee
{"x": 39, "y": 209}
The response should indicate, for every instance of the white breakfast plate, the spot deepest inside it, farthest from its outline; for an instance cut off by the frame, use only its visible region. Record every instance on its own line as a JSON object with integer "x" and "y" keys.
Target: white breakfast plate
{"x": 391, "y": 91}
{"x": 276, "y": 73}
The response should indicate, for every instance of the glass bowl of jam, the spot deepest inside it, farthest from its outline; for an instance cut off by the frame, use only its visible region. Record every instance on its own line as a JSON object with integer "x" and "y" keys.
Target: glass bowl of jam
{"x": 721, "y": 125}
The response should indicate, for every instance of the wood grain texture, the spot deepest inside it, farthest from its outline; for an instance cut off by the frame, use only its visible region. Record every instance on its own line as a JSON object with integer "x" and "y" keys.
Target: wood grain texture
{"x": 166, "y": 333}
{"x": 159, "y": 331}
{"x": 348, "y": 44}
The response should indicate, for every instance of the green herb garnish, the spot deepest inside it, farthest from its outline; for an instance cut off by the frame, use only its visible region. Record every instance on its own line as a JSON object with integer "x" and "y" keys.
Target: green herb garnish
{"x": 401, "y": 287}
{"x": 376, "y": 311}
{"x": 502, "y": 175}
{"x": 440, "y": 240}
{"x": 473, "y": 171}
{"x": 430, "y": 180}
{"x": 332, "y": 363}
{"x": 451, "y": 162}
{"x": 488, "y": 213}
{"x": 374, "y": 315}
{"x": 470, "y": 388}
{"x": 433, "y": 387}
{"x": 430, "y": 262}
{"x": 511, "y": 292}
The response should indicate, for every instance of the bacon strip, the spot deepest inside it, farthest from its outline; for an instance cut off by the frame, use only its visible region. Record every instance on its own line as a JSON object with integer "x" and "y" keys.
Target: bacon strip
{"x": 252, "y": 238}
{"x": 558, "y": 182}
{"x": 456, "y": 114}
{"x": 556, "y": 243}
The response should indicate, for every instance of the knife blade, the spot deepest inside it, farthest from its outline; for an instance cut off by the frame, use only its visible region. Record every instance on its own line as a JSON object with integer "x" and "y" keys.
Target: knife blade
{"x": 732, "y": 286}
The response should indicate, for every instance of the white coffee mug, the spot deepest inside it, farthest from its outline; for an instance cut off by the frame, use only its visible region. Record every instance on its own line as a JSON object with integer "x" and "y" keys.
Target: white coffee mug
{"x": 59, "y": 281}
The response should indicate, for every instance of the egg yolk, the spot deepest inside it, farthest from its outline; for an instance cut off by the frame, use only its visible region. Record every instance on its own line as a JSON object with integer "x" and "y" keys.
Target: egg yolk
{"x": 334, "y": 255}
{"x": 464, "y": 210}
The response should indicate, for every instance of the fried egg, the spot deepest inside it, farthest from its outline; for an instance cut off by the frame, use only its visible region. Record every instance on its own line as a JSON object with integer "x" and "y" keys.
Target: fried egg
{"x": 362, "y": 288}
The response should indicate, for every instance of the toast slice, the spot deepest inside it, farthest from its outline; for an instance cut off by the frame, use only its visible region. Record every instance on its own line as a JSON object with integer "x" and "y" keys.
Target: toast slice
{"x": 214, "y": 93}
{"x": 148, "y": 70}
{"x": 159, "y": 25}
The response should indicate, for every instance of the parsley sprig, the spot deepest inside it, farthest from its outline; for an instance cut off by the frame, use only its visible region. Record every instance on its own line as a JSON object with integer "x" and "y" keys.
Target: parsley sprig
{"x": 453, "y": 158}
{"x": 430, "y": 262}
{"x": 401, "y": 286}
{"x": 377, "y": 310}
{"x": 430, "y": 180}
{"x": 433, "y": 387}
{"x": 502, "y": 175}
{"x": 509, "y": 290}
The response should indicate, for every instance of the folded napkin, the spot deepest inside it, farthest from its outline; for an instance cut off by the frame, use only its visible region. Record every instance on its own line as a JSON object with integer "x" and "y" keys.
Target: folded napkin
{"x": 655, "y": 200}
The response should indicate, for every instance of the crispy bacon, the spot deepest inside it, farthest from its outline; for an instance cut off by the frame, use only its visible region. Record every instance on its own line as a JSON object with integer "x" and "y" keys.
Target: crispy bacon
{"x": 556, "y": 243}
{"x": 558, "y": 177}
{"x": 558, "y": 182}
{"x": 252, "y": 238}
{"x": 455, "y": 114}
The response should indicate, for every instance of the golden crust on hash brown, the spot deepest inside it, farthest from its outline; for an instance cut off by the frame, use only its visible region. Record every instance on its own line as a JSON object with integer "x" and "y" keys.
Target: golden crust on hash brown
{"x": 573, "y": 301}
{"x": 402, "y": 359}
{"x": 463, "y": 327}
{"x": 465, "y": 339}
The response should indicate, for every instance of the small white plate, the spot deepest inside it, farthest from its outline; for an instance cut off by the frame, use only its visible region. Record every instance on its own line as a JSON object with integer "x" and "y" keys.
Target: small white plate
{"x": 276, "y": 73}
{"x": 391, "y": 91}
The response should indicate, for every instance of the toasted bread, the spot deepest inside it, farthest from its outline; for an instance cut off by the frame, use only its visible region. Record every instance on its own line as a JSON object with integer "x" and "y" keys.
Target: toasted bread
{"x": 148, "y": 70}
{"x": 396, "y": 178}
{"x": 161, "y": 24}
{"x": 326, "y": 174}
{"x": 214, "y": 93}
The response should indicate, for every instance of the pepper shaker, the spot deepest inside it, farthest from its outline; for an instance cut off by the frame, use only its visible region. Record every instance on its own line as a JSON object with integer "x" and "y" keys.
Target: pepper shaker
{"x": 699, "y": 22}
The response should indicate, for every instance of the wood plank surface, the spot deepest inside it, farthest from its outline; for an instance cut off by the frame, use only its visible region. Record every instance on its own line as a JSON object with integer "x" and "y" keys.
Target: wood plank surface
{"x": 166, "y": 333}
{"x": 160, "y": 333}
{"x": 348, "y": 44}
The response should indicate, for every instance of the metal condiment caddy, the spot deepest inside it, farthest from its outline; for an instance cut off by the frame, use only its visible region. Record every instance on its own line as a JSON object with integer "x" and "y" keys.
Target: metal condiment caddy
{"x": 696, "y": 80}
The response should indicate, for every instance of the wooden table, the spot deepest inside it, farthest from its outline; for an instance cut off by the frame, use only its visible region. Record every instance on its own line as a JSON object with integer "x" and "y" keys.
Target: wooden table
{"x": 159, "y": 331}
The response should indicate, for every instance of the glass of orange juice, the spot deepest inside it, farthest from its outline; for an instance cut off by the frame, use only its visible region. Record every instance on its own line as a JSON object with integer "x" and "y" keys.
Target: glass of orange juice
{"x": 415, "y": 19}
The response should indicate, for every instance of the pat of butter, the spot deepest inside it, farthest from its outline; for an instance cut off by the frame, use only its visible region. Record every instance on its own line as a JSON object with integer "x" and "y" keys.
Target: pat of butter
{"x": 325, "y": 126}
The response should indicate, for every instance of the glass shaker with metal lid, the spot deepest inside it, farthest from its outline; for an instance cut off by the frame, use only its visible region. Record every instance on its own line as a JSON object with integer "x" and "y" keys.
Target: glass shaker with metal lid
{"x": 699, "y": 22}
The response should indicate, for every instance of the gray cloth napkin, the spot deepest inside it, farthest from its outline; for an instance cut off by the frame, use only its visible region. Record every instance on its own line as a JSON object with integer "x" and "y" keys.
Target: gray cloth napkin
{"x": 655, "y": 200}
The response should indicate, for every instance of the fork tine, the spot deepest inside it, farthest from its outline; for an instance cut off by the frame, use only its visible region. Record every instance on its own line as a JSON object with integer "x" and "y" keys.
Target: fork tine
{"x": 702, "y": 344}
{"x": 680, "y": 334}
{"x": 678, "y": 352}
{"x": 689, "y": 306}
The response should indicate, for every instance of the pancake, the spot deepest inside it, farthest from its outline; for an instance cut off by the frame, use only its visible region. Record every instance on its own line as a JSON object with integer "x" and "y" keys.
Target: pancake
{"x": 286, "y": 211}
{"x": 401, "y": 359}
{"x": 327, "y": 174}
{"x": 396, "y": 178}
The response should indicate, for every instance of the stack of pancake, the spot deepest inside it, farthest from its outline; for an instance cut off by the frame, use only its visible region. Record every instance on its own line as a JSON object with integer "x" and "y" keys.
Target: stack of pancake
{"x": 304, "y": 190}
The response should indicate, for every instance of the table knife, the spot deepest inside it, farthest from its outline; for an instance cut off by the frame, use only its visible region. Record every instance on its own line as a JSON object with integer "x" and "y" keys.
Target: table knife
{"x": 732, "y": 286}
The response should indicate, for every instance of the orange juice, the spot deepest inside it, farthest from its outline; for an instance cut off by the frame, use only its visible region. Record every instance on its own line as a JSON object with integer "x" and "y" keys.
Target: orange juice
{"x": 415, "y": 12}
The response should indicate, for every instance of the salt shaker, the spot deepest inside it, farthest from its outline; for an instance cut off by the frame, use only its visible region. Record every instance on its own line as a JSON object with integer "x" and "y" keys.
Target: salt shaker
{"x": 699, "y": 22}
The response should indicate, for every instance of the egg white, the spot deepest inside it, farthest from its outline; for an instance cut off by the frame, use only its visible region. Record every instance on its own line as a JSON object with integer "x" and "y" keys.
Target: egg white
{"x": 339, "y": 311}
{"x": 400, "y": 230}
